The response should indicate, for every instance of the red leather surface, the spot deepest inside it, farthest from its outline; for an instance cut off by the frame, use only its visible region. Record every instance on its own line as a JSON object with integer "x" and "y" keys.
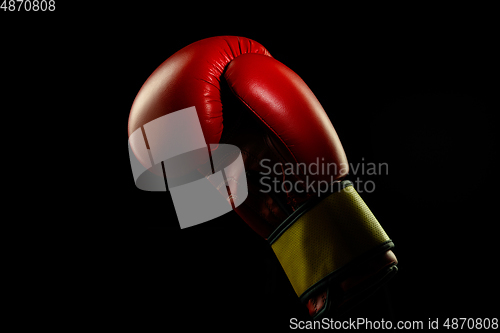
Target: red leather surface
{"x": 190, "y": 77}
{"x": 282, "y": 100}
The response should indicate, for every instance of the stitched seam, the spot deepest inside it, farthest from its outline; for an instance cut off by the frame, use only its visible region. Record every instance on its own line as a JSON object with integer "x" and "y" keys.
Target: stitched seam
{"x": 226, "y": 183}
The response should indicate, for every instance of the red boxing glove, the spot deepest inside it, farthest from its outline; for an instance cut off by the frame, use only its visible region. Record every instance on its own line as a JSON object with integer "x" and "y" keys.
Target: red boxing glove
{"x": 328, "y": 242}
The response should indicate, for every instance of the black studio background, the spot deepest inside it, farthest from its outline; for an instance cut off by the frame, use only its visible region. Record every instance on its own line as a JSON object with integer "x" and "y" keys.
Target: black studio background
{"x": 418, "y": 97}
{"x": 413, "y": 89}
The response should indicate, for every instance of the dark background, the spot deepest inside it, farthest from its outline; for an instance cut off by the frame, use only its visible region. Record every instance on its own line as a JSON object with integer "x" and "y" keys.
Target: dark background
{"x": 415, "y": 89}
{"x": 416, "y": 97}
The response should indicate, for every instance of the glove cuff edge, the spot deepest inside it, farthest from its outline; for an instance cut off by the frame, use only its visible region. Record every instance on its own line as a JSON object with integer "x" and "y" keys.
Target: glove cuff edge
{"x": 274, "y": 236}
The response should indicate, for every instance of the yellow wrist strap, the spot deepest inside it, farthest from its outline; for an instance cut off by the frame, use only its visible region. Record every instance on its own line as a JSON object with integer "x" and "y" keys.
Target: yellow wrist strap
{"x": 323, "y": 236}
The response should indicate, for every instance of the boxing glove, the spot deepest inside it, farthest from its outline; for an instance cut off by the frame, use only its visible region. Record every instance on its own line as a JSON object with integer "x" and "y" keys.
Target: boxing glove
{"x": 330, "y": 245}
